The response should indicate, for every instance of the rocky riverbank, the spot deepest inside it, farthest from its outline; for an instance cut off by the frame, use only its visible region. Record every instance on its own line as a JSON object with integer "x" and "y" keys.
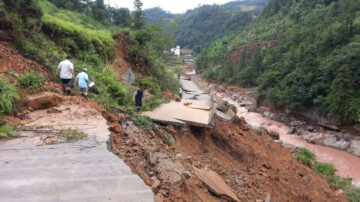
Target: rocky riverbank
{"x": 308, "y": 125}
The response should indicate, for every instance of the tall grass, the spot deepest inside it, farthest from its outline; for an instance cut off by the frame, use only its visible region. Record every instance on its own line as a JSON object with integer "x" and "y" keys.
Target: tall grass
{"x": 8, "y": 96}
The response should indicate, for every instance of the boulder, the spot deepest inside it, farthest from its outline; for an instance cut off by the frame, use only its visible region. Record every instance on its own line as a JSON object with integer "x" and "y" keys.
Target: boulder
{"x": 43, "y": 100}
{"x": 355, "y": 147}
{"x": 291, "y": 131}
{"x": 327, "y": 125}
{"x": 274, "y": 135}
{"x": 315, "y": 138}
{"x": 357, "y": 127}
{"x": 216, "y": 184}
{"x": 332, "y": 141}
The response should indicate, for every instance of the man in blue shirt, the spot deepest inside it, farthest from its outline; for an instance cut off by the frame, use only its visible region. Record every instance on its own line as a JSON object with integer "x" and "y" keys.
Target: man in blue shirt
{"x": 83, "y": 80}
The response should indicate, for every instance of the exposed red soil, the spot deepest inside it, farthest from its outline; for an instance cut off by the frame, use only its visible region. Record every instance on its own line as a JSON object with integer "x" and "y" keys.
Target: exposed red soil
{"x": 253, "y": 166}
{"x": 120, "y": 65}
{"x": 252, "y": 49}
{"x": 12, "y": 60}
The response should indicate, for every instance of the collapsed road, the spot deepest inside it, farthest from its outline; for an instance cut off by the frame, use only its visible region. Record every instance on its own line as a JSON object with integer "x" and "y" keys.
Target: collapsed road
{"x": 226, "y": 162}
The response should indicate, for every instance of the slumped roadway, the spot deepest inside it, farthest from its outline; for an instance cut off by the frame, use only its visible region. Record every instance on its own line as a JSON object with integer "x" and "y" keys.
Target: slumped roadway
{"x": 80, "y": 171}
{"x": 195, "y": 109}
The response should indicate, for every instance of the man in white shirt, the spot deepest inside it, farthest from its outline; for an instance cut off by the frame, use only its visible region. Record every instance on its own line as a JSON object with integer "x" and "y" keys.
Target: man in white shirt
{"x": 66, "y": 72}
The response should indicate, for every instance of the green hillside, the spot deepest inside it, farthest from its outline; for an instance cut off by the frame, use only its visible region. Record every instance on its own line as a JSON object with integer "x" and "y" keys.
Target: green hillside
{"x": 47, "y": 33}
{"x": 198, "y": 27}
{"x": 301, "y": 55}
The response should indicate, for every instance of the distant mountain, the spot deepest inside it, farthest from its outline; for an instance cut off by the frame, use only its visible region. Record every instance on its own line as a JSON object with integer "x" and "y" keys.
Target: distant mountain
{"x": 154, "y": 14}
{"x": 200, "y": 26}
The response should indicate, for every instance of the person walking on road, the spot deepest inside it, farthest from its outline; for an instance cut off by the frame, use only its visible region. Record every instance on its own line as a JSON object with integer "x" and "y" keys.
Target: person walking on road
{"x": 66, "y": 72}
{"x": 83, "y": 80}
{"x": 138, "y": 96}
{"x": 180, "y": 93}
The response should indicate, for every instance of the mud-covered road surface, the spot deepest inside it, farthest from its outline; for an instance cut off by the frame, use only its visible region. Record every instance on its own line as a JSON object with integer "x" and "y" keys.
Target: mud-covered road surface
{"x": 35, "y": 167}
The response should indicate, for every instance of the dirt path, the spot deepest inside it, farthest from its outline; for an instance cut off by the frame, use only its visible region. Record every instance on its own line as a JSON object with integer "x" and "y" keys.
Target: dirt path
{"x": 32, "y": 168}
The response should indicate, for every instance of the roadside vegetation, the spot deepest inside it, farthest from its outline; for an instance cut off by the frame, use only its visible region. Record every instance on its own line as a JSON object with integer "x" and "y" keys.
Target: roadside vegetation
{"x": 8, "y": 96}
{"x": 301, "y": 55}
{"x": 328, "y": 172}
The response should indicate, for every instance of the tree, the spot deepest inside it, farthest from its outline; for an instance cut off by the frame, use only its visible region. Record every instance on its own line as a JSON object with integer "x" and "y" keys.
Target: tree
{"x": 120, "y": 16}
{"x": 340, "y": 97}
{"x": 139, "y": 21}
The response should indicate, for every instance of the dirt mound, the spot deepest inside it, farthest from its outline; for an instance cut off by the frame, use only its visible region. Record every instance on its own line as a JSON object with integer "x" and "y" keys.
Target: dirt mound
{"x": 13, "y": 121}
{"x": 252, "y": 165}
{"x": 11, "y": 60}
{"x": 169, "y": 95}
{"x": 43, "y": 100}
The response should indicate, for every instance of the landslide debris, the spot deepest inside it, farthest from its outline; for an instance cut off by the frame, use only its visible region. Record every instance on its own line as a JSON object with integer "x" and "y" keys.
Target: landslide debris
{"x": 253, "y": 166}
{"x": 10, "y": 59}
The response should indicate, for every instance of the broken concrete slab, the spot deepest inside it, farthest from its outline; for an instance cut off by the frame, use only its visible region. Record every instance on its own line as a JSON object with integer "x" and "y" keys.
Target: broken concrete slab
{"x": 216, "y": 184}
{"x": 190, "y": 86}
{"x": 177, "y": 113}
{"x": 224, "y": 117}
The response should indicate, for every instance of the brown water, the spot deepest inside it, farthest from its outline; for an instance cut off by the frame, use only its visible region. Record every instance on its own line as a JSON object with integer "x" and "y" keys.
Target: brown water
{"x": 348, "y": 165}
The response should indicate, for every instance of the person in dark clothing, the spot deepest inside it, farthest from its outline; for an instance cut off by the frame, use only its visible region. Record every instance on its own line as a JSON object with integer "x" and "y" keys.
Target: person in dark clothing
{"x": 138, "y": 96}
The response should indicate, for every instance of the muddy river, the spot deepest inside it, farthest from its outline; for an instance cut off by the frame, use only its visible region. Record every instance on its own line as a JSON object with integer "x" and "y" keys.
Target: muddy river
{"x": 348, "y": 165}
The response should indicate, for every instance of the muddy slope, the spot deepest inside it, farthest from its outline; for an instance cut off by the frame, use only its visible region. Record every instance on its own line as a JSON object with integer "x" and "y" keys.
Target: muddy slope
{"x": 254, "y": 166}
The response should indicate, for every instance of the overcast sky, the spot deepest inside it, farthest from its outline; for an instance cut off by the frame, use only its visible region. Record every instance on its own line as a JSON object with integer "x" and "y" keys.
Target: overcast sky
{"x": 174, "y": 6}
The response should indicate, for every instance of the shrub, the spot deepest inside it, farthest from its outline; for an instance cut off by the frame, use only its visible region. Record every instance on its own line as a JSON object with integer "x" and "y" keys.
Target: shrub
{"x": 141, "y": 120}
{"x": 149, "y": 84}
{"x": 306, "y": 157}
{"x": 170, "y": 141}
{"x": 8, "y": 96}
{"x": 257, "y": 131}
{"x": 32, "y": 79}
{"x": 326, "y": 170}
{"x": 7, "y": 131}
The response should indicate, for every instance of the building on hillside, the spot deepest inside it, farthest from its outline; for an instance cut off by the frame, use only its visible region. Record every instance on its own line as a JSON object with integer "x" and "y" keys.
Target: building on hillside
{"x": 176, "y": 51}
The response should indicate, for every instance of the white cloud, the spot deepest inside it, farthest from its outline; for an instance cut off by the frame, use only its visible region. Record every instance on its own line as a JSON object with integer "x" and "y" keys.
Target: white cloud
{"x": 174, "y": 6}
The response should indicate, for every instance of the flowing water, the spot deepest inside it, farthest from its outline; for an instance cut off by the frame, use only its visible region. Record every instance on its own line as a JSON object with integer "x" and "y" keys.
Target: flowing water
{"x": 348, "y": 165}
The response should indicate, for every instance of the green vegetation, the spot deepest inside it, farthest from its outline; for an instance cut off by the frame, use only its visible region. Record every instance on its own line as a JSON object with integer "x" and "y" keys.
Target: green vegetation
{"x": 306, "y": 157}
{"x": 153, "y": 15}
{"x": 207, "y": 23}
{"x": 72, "y": 135}
{"x": 57, "y": 32}
{"x": 328, "y": 172}
{"x": 197, "y": 27}
{"x": 7, "y": 131}
{"x": 170, "y": 141}
{"x": 257, "y": 131}
{"x": 8, "y": 96}
{"x": 300, "y": 54}
{"x": 141, "y": 120}
{"x": 97, "y": 10}
{"x": 32, "y": 79}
